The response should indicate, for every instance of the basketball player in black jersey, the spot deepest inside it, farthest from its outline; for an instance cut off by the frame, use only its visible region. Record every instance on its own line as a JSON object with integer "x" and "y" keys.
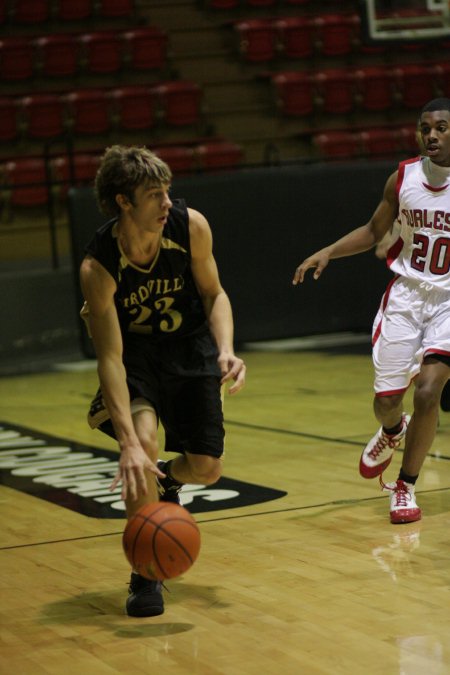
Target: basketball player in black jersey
{"x": 162, "y": 329}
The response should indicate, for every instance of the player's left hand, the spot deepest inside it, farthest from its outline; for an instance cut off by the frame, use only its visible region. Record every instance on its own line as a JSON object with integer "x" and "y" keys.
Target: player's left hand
{"x": 232, "y": 368}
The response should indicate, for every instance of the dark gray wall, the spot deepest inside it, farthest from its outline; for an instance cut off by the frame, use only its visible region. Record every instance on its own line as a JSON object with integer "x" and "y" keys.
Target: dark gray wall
{"x": 264, "y": 222}
{"x": 38, "y": 318}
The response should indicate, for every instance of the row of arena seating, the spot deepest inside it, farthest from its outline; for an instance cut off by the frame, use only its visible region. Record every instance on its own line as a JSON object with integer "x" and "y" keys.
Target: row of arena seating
{"x": 179, "y": 103}
{"x": 262, "y": 40}
{"x": 99, "y": 111}
{"x": 68, "y": 55}
{"x": 236, "y": 4}
{"x": 32, "y": 12}
{"x": 329, "y": 35}
{"x": 371, "y": 88}
{"x": 112, "y": 109}
{"x": 43, "y": 11}
{"x": 26, "y": 178}
{"x": 29, "y": 182}
{"x": 376, "y": 143}
{"x": 146, "y": 48}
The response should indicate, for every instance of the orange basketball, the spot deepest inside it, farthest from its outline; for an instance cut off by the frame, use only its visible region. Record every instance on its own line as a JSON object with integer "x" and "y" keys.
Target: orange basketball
{"x": 161, "y": 540}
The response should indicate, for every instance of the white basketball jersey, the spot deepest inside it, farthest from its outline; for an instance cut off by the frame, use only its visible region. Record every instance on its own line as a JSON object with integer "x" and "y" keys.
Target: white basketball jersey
{"x": 422, "y": 249}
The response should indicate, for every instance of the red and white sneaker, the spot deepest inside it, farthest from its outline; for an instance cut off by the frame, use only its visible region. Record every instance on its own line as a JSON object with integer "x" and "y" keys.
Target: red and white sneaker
{"x": 378, "y": 452}
{"x": 403, "y": 507}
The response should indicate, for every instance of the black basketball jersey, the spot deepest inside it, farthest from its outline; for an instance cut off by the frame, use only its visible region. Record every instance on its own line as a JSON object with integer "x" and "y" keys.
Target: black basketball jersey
{"x": 161, "y": 300}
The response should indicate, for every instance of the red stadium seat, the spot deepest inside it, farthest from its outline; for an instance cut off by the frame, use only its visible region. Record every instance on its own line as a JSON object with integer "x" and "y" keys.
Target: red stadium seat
{"x": 180, "y": 102}
{"x": 101, "y": 52}
{"x": 337, "y": 144}
{"x": 30, "y": 11}
{"x": 380, "y": 142}
{"x": 79, "y": 169}
{"x": 16, "y": 58}
{"x": 26, "y": 179}
{"x": 115, "y": 8}
{"x": 409, "y": 140}
{"x": 335, "y": 88}
{"x": 257, "y": 39}
{"x": 88, "y": 111}
{"x": 294, "y": 93}
{"x": 57, "y": 55}
{"x": 9, "y": 125}
{"x": 181, "y": 159}
{"x": 219, "y": 155}
{"x": 145, "y": 48}
{"x": 43, "y": 115}
{"x": 134, "y": 107}
{"x": 415, "y": 84}
{"x": 336, "y": 33}
{"x": 374, "y": 87}
{"x": 295, "y": 36}
{"x": 74, "y": 10}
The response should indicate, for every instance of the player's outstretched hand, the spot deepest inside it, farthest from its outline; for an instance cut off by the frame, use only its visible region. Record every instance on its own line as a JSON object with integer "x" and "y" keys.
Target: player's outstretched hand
{"x": 318, "y": 260}
{"x": 232, "y": 368}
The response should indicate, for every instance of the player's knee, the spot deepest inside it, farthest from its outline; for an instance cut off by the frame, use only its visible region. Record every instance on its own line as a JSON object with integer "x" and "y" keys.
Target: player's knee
{"x": 385, "y": 404}
{"x": 149, "y": 442}
{"x": 205, "y": 470}
{"x": 426, "y": 397}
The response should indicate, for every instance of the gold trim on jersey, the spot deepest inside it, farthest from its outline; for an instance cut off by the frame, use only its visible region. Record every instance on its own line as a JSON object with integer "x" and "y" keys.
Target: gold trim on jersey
{"x": 126, "y": 262}
{"x": 168, "y": 243}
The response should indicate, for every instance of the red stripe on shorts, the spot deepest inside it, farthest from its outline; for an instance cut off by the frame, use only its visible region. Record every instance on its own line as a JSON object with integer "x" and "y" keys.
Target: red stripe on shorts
{"x": 391, "y": 392}
{"x": 377, "y": 331}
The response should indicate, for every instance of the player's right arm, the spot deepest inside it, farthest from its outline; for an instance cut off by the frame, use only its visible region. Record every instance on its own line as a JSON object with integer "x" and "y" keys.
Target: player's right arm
{"x": 361, "y": 239}
{"x": 98, "y": 288}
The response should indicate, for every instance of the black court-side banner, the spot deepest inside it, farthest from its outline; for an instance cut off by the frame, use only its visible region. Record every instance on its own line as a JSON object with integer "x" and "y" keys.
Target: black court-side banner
{"x": 77, "y": 477}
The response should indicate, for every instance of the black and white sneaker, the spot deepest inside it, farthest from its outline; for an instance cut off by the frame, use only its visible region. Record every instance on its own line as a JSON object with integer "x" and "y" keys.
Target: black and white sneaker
{"x": 145, "y": 597}
{"x": 168, "y": 488}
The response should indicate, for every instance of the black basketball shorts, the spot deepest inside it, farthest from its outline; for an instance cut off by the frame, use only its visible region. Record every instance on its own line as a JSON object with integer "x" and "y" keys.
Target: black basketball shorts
{"x": 183, "y": 386}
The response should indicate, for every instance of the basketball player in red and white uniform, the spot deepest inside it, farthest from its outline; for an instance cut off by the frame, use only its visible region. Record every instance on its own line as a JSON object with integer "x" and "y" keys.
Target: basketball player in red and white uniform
{"x": 411, "y": 332}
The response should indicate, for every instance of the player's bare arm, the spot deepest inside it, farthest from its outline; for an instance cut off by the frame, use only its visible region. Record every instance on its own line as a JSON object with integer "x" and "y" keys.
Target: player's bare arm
{"x": 215, "y": 300}
{"x": 357, "y": 241}
{"x": 98, "y": 288}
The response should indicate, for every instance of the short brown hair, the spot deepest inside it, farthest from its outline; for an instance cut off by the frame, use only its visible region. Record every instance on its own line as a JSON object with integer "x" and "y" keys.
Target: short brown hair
{"x": 122, "y": 170}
